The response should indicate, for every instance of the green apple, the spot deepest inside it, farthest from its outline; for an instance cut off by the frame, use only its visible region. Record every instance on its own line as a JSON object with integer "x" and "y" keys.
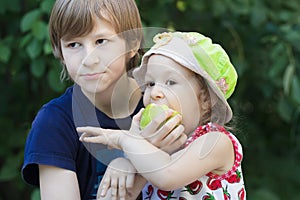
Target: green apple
{"x": 151, "y": 111}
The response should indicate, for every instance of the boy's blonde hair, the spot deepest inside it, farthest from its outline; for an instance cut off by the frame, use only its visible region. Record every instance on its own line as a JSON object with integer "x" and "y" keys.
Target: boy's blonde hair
{"x": 74, "y": 18}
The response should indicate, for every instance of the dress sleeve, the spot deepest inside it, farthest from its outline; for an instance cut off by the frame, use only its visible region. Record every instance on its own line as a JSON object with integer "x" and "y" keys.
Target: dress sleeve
{"x": 53, "y": 140}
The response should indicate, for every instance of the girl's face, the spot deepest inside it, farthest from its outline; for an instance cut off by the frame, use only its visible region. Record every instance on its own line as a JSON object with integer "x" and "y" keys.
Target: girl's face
{"x": 168, "y": 82}
{"x": 97, "y": 60}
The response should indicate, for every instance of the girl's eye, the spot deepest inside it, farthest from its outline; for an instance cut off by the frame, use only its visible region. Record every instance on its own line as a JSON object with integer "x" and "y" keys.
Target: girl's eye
{"x": 150, "y": 84}
{"x": 170, "y": 82}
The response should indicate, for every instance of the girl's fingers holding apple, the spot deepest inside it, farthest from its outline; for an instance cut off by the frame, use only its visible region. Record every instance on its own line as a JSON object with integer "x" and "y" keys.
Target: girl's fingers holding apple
{"x": 171, "y": 124}
{"x": 135, "y": 125}
{"x": 137, "y": 117}
{"x": 162, "y": 138}
{"x": 152, "y": 130}
{"x": 175, "y": 140}
{"x": 174, "y": 135}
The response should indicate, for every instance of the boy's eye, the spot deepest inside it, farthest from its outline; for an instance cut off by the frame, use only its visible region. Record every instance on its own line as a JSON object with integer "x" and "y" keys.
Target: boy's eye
{"x": 101, "y": 41}
{"x": 73, "y": 45}
{"x": 170, "y": 82}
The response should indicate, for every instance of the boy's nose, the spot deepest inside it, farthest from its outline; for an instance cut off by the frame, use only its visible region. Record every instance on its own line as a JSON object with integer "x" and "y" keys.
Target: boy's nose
{"x": 91, "y": 57}
{"x": 157, "y": 92}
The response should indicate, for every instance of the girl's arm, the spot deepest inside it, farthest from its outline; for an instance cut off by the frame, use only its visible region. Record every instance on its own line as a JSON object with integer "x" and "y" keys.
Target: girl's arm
{"x": 212, "y": 152}
{"x": 119, "y": 177}
{"x": 57, "y": 183}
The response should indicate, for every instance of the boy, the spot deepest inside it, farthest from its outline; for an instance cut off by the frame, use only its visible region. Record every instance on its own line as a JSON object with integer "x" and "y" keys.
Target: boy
{"x": 86, "y": 37}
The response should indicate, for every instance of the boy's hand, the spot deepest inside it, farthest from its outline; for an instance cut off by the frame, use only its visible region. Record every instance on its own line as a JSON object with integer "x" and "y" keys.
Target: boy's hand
{"x": 119, "y": 176}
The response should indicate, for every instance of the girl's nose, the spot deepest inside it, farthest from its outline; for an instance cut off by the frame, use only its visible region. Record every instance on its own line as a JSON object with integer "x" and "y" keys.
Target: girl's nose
{"x": 157, "y": 92}
{"x": 91, "y": 57}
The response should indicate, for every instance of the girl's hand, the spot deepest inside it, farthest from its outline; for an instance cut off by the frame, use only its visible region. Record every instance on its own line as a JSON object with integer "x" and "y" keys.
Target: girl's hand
{"x": 118, "y": 178}
{"x": 108, "y": 137}
{"x": 168, "y": 137}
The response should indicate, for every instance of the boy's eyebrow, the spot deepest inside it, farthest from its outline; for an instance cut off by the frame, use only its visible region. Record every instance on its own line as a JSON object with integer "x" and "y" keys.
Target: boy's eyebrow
{"x": 100, "y": 34}
{"x": 103, "y": 33}
{"x": 106, "y": 35}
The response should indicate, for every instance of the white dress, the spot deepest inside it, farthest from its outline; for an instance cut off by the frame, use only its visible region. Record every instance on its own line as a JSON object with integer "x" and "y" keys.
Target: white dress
{"x": 211, "y": 186}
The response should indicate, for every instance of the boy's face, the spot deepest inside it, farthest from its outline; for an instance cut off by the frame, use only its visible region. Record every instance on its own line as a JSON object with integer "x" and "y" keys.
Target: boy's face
{"x": 168, "y": 82}
{"x": 97, "y": 60}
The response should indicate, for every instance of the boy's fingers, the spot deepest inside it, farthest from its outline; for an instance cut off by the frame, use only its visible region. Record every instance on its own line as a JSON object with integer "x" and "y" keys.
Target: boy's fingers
{"x": 121, "y": 187}
{"x": 130, "y": 180}
{"x": 114, "y": 187}
{"x": 104, "y": 186}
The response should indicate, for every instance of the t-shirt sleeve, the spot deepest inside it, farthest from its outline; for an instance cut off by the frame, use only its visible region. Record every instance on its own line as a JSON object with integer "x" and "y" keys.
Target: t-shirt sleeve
{"x": 53, "y": 141}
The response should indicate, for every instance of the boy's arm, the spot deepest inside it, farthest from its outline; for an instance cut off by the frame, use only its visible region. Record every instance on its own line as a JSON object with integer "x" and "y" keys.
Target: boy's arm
{"x": 131, "y": 193}
{"x": 57, "y": 183}
{"x": 135, "y": 191}
{"x": 120, "y": 181}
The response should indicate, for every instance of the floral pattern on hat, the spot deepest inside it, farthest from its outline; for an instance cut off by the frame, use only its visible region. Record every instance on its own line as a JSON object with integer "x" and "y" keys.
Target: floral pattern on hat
{"x": 164, "y": 38}
{"x": 223, "y": 86}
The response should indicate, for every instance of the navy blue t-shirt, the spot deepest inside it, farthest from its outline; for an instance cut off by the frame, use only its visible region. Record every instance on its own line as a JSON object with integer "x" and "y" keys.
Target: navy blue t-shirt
{"x": 53, "y": 140}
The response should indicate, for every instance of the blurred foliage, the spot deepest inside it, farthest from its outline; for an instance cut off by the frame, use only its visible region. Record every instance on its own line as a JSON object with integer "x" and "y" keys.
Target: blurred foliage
{"x": 262, "y": 38}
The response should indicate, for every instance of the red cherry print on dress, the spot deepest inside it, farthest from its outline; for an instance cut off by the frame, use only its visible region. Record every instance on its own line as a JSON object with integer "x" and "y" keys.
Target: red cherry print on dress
{"x": 194, "y": 187}
{"x": 226, "y": 194}
{"x": 165, "y": 195}
{"x": 213, "y": 184}
{"x": 241, "y": 194}
{"x": 235, "y": 177}
{"x": 149, "y": 191}
{"x": 208, "y": 196}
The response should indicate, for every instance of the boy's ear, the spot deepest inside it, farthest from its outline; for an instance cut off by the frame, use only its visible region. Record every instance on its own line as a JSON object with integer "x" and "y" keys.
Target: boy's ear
{"x": 132, "y": 53}
{"x": 135, "y": 45}
{"x": 56, "y": 52}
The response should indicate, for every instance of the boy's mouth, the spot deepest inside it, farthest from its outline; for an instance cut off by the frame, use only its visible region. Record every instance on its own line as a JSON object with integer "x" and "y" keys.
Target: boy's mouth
{"x": 92, "y": 76}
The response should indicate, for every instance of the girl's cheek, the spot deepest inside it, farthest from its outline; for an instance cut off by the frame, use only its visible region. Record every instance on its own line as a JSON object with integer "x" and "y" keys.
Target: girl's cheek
{"x": 146, "y": 97}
